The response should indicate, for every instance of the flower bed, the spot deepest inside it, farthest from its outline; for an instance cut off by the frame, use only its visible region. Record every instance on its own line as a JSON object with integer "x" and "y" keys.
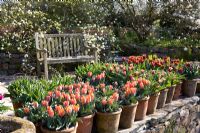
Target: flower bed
{"x": 111, "y": 91}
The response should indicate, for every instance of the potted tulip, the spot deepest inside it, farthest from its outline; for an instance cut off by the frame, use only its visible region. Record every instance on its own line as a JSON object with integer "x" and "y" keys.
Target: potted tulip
{"x": 163, "y": 87}
{"x": 171, "y": 79}
{"x": 154, "y": 91}
{"x": 178, "y": 82}
{"x": 108, "y": 109}
{"x": 129, "y": 104}
{"x": 142, "y": 96}
{"x": 190, "y": 71}
{"x": 84, "y": 94}
{"x": 59, "y": 112}
{"x": 32, "y": 112}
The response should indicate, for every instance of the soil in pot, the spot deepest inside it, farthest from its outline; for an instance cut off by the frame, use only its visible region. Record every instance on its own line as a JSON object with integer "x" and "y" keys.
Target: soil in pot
{"x": 162, "y": 99}
{"x": 85, "y": 124}
{"x": 189, "y": 87}
{"x": 142, "y": 109}
{"x": 177, "y": 92}
{"x": 170, "y": 94}
{"x": 128, "y": 116}
{"x": 68, "y": 130}
{"x": 107, "y": 122}
{"x": 152, "y": 103}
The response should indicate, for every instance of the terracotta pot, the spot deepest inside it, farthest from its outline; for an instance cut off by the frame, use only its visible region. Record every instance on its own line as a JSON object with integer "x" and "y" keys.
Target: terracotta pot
{"x": 37, "y": 127}
{"x": 170, "y": 94}
{"x": 68, "y": 130}
{"x": 152, "y": 103}
{"x": 128, "y": 115}
{"x": 16, "y": 105}
{"x": 142, "y": 109}
{"x": 107, "y": 122}
{"x": 198, "y": 87}
{"x": 162, "y": 99}
{"x": 85, "y": 124}
{"x": 189, "y": 87}
{"x": 177, "y": 92}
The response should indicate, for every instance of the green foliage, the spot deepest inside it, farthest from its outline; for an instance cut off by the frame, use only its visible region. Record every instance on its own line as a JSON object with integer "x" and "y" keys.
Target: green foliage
{"x": 191, "y": 71}
{"x": 3, "y": 108}
{"x": 170, "y": 42}
{"x": 24, "y": 90}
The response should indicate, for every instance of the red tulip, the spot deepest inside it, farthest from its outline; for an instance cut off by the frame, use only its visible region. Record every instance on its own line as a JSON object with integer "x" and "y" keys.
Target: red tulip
{"x": 89, "y": 74}
{"x": 103, "y": 101}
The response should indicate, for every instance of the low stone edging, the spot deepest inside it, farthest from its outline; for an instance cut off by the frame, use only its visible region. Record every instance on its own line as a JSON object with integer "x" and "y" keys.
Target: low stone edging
{"x": 182, "y": 115}
{"x": 16, "y": 125}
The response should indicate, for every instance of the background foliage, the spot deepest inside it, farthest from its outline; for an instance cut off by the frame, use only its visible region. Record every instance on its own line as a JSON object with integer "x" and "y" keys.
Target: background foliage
{"x": 109, "y": 25}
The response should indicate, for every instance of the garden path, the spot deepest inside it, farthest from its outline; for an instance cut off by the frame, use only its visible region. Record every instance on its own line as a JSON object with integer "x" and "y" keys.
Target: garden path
{"x": 4, "y": 81}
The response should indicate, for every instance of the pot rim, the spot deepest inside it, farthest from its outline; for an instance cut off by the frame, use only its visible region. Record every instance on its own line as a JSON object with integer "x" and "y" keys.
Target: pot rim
{"x": 166, "y": 89}
{"x": 144, "y": 98}
{"x": 87, "y": 116}
{"x": 155, "y": 94}
{"x": 110, "y": 113}
{"x": 131, "y": 105}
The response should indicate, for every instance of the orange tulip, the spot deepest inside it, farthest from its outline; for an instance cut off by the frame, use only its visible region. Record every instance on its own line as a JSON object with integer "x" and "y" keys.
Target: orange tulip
{"x": 68, "y": 109}
{"x": 103, "y": 101}
{"x": 26, "y": 110}
{"x": 50, "y": 111}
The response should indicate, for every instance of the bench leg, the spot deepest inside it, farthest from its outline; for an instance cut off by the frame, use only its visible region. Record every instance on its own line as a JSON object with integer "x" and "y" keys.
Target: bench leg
{"x": 38, "y": 69}
{"x": 96, "y": 56}
{"x": 46, "y": 70}
{"x": 45, "y": 65}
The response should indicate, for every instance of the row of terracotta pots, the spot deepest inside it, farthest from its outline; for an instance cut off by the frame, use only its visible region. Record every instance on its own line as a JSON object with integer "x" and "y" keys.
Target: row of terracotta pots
{"x": 125, "y": 117}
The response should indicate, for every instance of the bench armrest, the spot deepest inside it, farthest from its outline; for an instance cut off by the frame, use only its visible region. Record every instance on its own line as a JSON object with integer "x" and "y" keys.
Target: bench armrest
{"x": 88, "y": 47}
{"x": 41, "y": 50}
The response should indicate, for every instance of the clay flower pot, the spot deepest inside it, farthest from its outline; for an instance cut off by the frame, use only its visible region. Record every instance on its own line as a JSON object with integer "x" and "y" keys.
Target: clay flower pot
{"x": 142, "y": 109}
{"x": 170, "y": 94}
{"x": 162, "y": 99}
{"x": 68, "y": 130}
{"x": 85, "y": 124}
{"x": 107, "y": 122}
{"x": 177, "y": 91}
{"x": 198, "y": 87}
{"x": 37, "y": 127}
{"x": 189, "y": 87}
{"x": 128, "y": 116}
{"x": 152, "y": 103}
{"x": 16, "y": 105}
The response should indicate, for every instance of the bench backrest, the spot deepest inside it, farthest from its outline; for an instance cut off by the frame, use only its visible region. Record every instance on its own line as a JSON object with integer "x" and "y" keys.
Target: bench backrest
{"x": 60, "y": 45}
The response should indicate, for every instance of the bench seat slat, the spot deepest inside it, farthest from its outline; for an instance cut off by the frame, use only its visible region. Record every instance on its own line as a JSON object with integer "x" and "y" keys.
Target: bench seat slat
{"x": 70, "y": 59}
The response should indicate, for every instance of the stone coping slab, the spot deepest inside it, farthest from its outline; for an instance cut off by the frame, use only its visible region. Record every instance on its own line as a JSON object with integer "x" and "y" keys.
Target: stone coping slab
{"x": 162, "y": 115}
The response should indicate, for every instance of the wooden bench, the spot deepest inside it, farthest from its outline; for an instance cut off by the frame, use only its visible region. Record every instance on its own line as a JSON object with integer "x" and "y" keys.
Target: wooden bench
{"x": 62, "y": 48}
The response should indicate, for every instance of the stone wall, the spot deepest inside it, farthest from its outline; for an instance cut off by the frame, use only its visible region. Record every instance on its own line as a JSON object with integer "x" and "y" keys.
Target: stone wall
{"x": 180, "y": 116}
{"x": 10, "y": 63}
